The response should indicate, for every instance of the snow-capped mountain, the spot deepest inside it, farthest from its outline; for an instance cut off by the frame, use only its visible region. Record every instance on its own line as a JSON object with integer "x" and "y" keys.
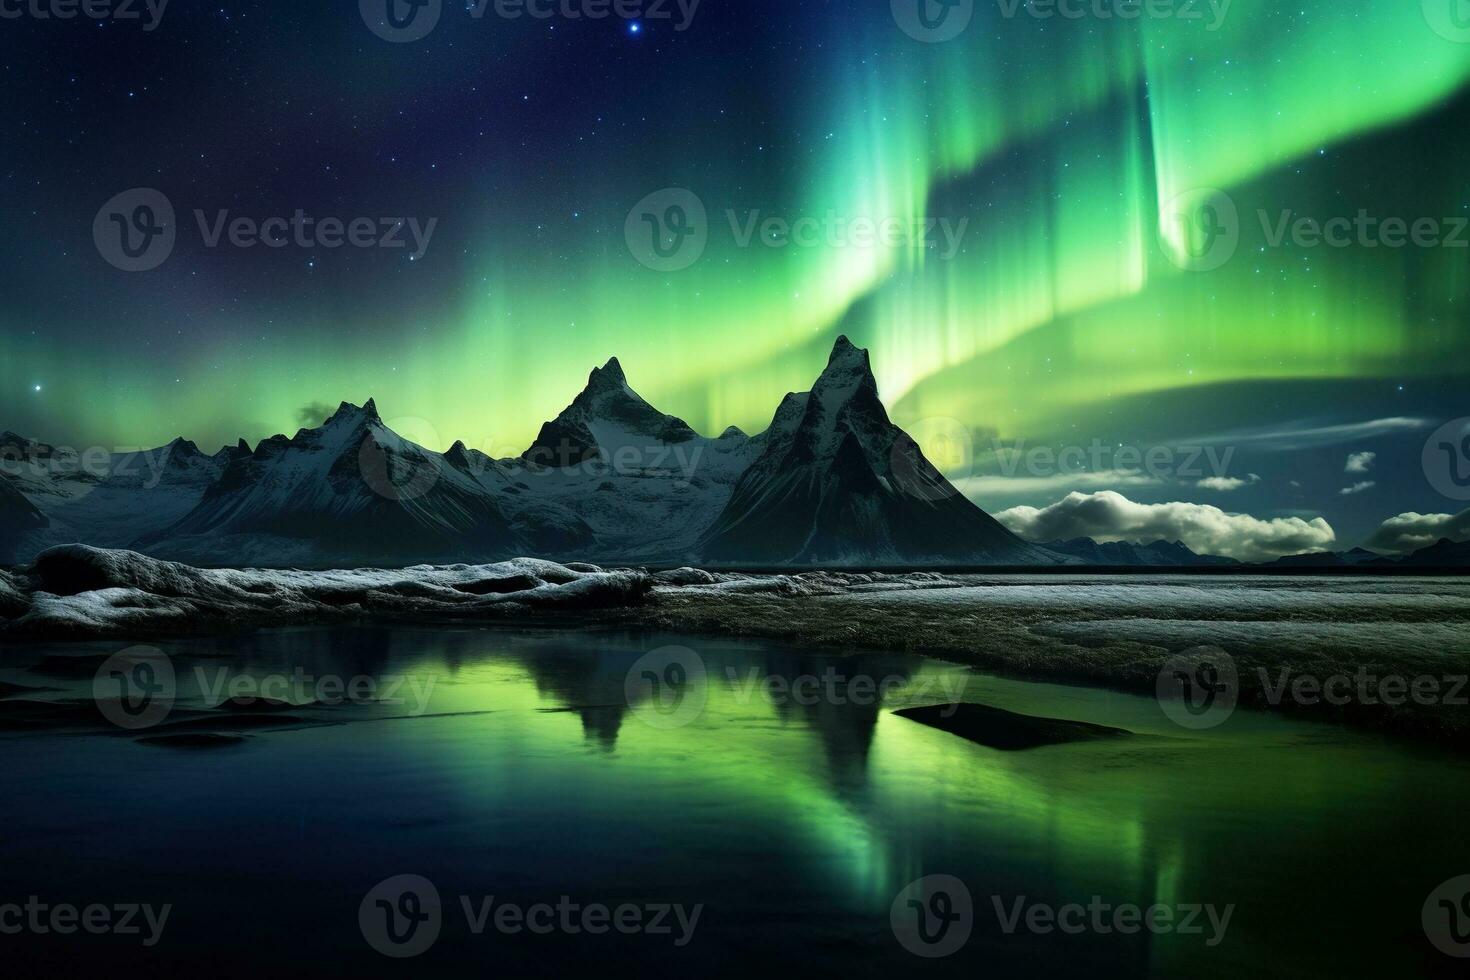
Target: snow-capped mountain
{"x": 105, "y": 499}
{"x": 837, "y": 482}
{"x": 644, "y": 484}
{"x": 610, "y": 480}
{"x": 18, "y": 518}
{"x": 50, "y": 475}
{"x": 349, "y": 492}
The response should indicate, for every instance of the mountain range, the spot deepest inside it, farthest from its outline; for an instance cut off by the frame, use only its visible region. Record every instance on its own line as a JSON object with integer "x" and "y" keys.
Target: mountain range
{"x": 611, "y": 480}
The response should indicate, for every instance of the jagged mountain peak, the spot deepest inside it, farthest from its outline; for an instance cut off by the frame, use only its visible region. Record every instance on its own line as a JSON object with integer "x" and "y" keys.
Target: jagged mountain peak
{"x": 848, "y": 356}
{"x": 608, "y": 377}
{"x": 838, "y": 481}
{"x": 350, "y": 412}
{"x": 608, "y": 415}
{"x": 184, "y": 447}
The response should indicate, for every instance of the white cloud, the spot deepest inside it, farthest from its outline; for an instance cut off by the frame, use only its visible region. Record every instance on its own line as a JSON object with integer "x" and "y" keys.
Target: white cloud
{"x": 1358, "y": 487}
{"x": 996, "y": 485}
{"x": 1109, "y": 516}
{"x": 1227, "y": 483}
{"x": 1410, "y": 532}
{"x": 1360, "y": 462}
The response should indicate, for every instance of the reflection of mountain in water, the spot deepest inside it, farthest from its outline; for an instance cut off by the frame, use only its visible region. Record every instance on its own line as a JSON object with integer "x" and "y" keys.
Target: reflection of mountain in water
{"x": 588, "y": 683}
{"x": 839, "y": 698}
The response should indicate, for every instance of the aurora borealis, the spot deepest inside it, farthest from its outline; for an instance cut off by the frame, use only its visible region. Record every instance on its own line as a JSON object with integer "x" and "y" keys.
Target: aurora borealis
{"x": 1064, "y": 144}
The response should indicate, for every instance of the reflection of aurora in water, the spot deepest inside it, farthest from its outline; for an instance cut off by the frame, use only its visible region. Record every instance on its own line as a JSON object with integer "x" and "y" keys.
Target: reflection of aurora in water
{"x": 795, "y": 824}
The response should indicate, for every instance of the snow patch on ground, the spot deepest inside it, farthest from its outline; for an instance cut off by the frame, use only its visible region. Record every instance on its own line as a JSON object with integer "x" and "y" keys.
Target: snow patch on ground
{"x": 76, "y": 590}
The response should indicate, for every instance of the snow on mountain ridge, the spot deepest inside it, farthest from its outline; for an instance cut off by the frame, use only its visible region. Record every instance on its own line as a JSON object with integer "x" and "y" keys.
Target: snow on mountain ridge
{"x": 611, "y": 479}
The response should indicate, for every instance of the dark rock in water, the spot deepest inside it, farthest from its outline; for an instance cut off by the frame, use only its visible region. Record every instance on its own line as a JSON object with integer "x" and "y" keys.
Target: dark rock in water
{"x": 1006, "y": 730}
{"x": 238, "y": 721}
{"x": 193, "y": 740}
{"x": 260, "y": 704}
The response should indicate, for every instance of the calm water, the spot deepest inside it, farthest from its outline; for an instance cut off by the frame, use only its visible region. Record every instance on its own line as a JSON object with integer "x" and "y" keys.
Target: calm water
{"x": 523, "y": 775}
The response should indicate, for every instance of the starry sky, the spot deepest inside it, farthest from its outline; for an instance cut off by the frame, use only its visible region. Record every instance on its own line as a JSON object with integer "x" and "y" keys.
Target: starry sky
{"x": 1062, "y": 185}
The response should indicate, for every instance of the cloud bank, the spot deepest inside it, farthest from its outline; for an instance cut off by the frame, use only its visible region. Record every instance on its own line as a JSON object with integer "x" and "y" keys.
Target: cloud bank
{"x": 1410, "y": 532}
{"x": 1110, "y": 516}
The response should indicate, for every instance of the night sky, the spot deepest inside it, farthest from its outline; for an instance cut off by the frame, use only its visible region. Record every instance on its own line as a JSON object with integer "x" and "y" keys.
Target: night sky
{"x": 1079, "y": 301}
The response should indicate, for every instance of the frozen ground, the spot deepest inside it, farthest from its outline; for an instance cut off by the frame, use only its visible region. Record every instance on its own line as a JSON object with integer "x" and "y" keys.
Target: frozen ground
{"x": 77, "y": 591}
{"x": 1117, "y": 632}
{"x": 1120, "y": 632}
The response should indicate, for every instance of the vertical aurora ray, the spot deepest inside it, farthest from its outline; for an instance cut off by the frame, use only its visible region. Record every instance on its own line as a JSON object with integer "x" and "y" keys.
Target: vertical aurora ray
{"x": 1061, "y": 144}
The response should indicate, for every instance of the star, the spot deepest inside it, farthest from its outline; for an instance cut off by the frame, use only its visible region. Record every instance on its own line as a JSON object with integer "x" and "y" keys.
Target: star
{"x": 36, "y": 388}
{"x": 635, "y": 28}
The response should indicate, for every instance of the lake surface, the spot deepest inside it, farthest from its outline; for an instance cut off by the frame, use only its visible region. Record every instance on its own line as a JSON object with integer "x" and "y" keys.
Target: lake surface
{"x": 516, "y": 768}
